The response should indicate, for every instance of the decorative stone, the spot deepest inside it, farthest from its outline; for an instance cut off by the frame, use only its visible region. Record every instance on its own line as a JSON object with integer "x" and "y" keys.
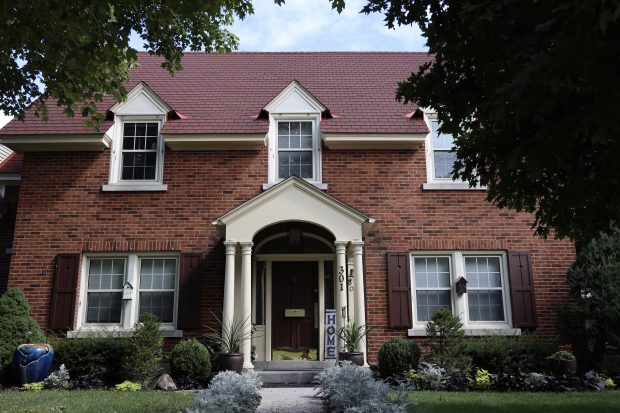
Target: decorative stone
{"x": 165, "y": 382}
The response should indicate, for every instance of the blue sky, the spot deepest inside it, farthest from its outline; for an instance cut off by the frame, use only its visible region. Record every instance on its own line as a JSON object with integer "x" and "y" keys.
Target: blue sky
{"x": 312, "y": 25}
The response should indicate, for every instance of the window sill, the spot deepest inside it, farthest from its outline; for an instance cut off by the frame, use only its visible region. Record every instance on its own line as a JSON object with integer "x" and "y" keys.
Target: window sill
{"x": 134, "y": 188}
{"x": 451, "y": 186}
{"x": 477, "y": 332}
{"x": 319, "y": 185}
{"x": 104, "y": 332}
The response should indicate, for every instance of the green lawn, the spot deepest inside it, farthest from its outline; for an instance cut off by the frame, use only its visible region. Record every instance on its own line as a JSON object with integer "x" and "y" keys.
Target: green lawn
{"x": 488, "y": 402}
{"x": 89, "y": 401}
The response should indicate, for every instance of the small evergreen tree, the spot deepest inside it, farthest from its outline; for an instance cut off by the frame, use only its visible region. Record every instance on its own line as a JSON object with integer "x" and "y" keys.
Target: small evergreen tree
{"x": 145, "y": 350}
{"x": 16, "y": 327}
{"x": 594, "y": 318}
{"x": 446, "y": 334}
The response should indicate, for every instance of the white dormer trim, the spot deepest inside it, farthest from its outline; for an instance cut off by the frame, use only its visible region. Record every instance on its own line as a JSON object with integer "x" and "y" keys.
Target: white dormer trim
{"x": 141, "y": 101}
{"x": 294, "y": 99}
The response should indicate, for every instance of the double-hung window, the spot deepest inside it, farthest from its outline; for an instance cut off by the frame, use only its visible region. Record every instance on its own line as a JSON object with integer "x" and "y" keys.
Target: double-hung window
{"x": 443, "y": 153}
{"x": 140, "y": 151}
{"x": 295, "y": 150}
{"x": 153, "y": 288}
{"x": 484, "y": 305}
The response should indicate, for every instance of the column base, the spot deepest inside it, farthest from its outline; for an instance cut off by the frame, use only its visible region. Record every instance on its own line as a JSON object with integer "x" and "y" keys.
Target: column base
{"x": 248, "y": 366}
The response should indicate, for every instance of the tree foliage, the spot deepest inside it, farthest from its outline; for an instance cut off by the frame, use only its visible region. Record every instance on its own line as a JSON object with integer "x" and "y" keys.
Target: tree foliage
{"x": 79, "y": 50}
{"x": 16, "y": 326}
{"x": 594, "y": 318}
{"x": 531, "y": 92}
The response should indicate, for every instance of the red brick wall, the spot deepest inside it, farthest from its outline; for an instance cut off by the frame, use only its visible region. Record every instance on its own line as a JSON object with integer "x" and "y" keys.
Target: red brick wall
{"x": 7, "y": 225}
{"x": 62, "y": 210}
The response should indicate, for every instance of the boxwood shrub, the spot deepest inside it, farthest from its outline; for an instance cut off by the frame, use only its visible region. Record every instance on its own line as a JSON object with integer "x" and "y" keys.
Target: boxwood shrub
{"x": 398, "y": 356}
{"x": 190, "y": 359}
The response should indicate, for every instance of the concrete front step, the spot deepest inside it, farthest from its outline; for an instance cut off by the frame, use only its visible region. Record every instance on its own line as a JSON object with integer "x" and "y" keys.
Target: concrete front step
{"x": 287, "y": 376}
{"x": 290, "y": 371}
{"x": 293, "y": 365}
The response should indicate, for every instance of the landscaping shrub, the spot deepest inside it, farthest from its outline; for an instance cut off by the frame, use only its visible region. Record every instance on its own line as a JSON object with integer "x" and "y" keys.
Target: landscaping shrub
{"x": 397, "y": 356}
{"x": 429, "y": 377}
{"x": 190, "y": 359}
{"x": 593, "y": 319}
{"x": 446, "y": 335}
{"x": 58, "y": 379}
{"x": 229, "y": 392}
{"x": 351, "y": 388}
{"x": 145, "y": 351}
{"x": 16, "y": 327}
{"x": 507, "y": 355}
{"x": 128, "y": 386}
{"x": 93, "y": 361}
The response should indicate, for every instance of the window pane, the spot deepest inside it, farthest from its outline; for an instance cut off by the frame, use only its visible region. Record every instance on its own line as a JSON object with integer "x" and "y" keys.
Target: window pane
{"x": 160, "y": 304}
{"x": 106, "y": 274}
{"x": 306, "y": 128}
{"x": 152, "y": 129}
{"x": 283, "y": 142}
{"x": 444, "y": 163}
{"x": 140, "y": 129}
{"x": 295, "y": 141}
{"x": 104, "y": 307}
{"x": 427, "y": 302}
{"x": 306, "y": 142}
{"x": 441, "y": 141}
{"x": 483, "y": 272}
{"x": 432, "y": 272}
{"x": 485, "y": 305}
{"x": 295, "y": 128}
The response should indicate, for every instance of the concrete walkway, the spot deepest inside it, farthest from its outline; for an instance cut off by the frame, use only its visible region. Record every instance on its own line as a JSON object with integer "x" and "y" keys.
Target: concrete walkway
{"x": 290, "y": 400}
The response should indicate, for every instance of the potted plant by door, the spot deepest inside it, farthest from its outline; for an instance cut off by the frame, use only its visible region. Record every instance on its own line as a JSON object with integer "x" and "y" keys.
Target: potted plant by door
{"x": 351, "y": 334}
{"x": 563, "y": 361}
{"x": 228, "y": 342}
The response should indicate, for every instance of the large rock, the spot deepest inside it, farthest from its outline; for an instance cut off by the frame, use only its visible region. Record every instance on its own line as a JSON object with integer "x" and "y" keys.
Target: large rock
{"x": 165, "y": 382}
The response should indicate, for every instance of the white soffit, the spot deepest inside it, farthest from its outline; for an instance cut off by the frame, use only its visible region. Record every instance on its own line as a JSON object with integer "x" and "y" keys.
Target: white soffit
{"x": 294, "y": 200}
{"x": 374, "y": 141}
{"x": 294, "y": 99}
{"x": 56, "y": 143}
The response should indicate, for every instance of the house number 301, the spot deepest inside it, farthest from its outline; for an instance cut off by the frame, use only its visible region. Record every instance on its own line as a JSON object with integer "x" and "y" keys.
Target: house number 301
{"x": 341, "y": 277}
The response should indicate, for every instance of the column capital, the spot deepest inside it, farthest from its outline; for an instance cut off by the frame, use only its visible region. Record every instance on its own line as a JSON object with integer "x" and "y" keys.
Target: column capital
{"x": 356, "y": 247}
{"x": 246, "y": 247}
{"x": 341, "y": 246}
{"x": 231, "y": 247}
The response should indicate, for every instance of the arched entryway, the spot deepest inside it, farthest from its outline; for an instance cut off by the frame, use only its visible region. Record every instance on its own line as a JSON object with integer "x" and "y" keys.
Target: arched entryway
{"x": 293, "y": 222}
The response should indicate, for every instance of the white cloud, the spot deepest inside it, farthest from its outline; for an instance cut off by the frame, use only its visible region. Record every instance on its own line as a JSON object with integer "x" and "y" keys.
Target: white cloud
{"x": 4, "y": 119}
{"x": 312, "y": 25}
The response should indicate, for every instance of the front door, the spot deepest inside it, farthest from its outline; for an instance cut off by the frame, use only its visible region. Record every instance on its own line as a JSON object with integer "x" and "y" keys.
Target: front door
{"x": 295, "y": 310}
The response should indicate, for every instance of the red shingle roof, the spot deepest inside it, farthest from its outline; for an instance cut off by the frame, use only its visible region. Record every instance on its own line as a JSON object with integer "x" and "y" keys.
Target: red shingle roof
{"x": 12, "y": 164}
{"x": 223, "y": 93}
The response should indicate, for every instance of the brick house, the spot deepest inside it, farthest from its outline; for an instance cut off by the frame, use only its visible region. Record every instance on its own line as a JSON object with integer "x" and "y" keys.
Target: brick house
{"x": 291, "y": 188}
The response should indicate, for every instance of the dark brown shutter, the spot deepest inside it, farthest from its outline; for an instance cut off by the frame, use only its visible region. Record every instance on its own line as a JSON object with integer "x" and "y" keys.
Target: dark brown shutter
{"x": 522, "y": 290}
{"x": 64, "y": 294}
{"x": 190, "y": 288}
{"x": 399, "y": 289}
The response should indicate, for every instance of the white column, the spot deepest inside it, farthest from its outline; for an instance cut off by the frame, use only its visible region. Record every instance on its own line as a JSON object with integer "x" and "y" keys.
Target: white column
{"x": 228, "y": 310}
{"x": 246, "y": 314}
{"x": 358, "y": 284}
{"x": 341, "y": 286}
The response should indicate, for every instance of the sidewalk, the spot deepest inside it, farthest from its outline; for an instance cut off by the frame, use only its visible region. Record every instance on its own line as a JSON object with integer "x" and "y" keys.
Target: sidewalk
{"x": 290, "y": 400}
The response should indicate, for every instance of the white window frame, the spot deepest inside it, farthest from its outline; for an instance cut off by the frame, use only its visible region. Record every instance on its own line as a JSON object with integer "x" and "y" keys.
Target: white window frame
{"x": 116, "y": 183}
{"x": 433, "y": 183}
{"x": 315, "y": 119}
{"x": 459, "y": 303}
{"x": 130, "y": 308}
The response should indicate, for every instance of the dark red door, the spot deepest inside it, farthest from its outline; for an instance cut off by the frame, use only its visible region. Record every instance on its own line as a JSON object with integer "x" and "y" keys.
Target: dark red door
{"x": 295, "y": 296}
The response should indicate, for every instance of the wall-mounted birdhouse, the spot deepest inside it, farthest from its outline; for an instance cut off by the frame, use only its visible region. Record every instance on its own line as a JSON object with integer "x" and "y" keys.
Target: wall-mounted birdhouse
{"x": 127, "y": 291}
{"x": 461, "y": 286}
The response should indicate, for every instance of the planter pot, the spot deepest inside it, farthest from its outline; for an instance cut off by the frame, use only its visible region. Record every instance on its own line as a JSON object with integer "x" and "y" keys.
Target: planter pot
{"x": 354, "y": 357}
{"x": 563, "y": 367}
{"x": 230, "y": 361}
{"x": 32, "y": 362}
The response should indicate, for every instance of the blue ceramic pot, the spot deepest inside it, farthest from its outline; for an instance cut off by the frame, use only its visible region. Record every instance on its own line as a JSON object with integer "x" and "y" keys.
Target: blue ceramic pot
{"x": 32, "y": 362}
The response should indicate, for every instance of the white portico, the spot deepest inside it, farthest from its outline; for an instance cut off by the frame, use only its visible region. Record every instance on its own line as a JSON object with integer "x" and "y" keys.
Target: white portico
{"x": 291, "y": 253}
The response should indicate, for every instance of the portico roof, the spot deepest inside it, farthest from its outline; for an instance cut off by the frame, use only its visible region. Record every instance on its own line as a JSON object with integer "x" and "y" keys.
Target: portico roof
{"x": 294, "y": 199}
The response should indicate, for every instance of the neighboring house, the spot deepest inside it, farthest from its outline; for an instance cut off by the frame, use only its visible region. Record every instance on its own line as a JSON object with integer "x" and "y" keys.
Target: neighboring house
{"x": 270, "y": 185}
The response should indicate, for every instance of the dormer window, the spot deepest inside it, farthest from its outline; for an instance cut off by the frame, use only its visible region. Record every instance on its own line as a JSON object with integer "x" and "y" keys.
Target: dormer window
{"x": 295, "y": 150}
{"x": 139, "y": 152}
{"x": 294, "y": 137}
{"x": 443, "y": 152}
{"x": 137, "y": 156}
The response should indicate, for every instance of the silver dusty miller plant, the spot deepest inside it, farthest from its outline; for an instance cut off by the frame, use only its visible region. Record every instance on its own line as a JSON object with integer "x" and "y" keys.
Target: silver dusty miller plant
{"x": 430, "y": 377}
{"x": 229, "y": 392}
{"x": 352, "y": 389}
{"x": 58, "y": 379}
